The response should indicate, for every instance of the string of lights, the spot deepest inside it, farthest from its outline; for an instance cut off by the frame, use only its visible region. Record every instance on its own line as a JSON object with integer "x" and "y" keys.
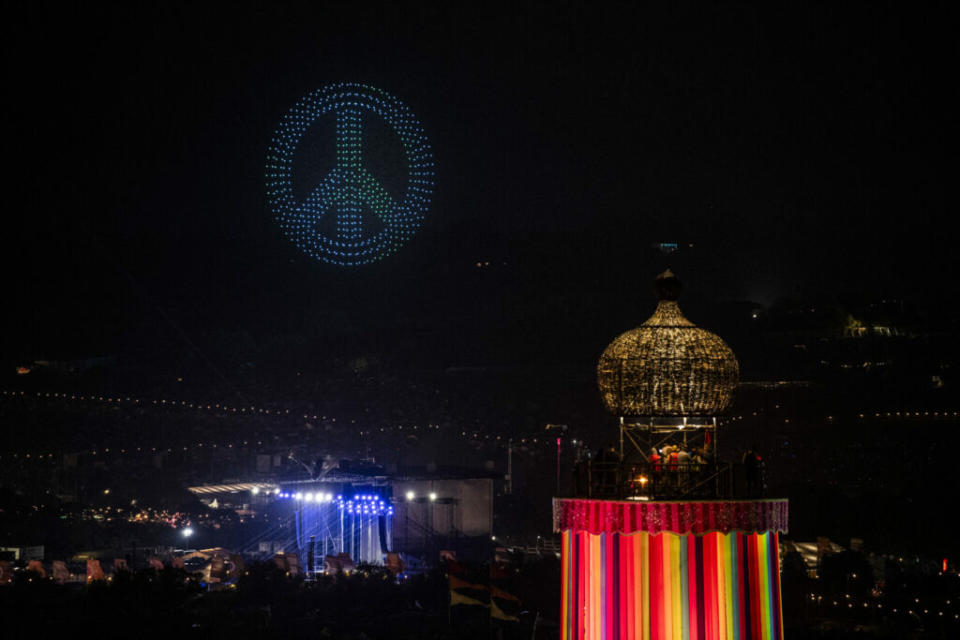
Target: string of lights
{"x": 850, "y": 602}
{"x": 233, "y": 412}
{"x": 220, "y": 410}
{"x": 253, "y": 410}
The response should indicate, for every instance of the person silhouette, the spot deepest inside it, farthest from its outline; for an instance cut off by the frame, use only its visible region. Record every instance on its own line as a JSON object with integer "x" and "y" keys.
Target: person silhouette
{"x": 751, "y": 468}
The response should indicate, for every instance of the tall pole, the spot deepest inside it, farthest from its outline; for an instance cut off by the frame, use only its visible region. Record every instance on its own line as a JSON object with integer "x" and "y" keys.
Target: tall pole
{"x": 559, "y": 442}
{"x": 508, "y": 485}
{"x": 562, "y": 428}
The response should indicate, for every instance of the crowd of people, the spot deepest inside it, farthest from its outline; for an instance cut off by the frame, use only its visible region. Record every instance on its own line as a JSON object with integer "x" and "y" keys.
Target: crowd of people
{"x": 674, "y": 457}
{"x": 678, "y": 468}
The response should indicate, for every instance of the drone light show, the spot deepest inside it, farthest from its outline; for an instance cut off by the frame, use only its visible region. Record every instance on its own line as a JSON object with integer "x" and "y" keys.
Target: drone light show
{"x": 349, "y": 218}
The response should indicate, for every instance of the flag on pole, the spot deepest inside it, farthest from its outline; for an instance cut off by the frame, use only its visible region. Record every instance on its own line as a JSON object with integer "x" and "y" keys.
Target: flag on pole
{"x": 60, "y": 572}
{"x": 468, "y": 593}
{"x": 94, "y": 570}
{"x": 504, "y": 606}
{"x": 37, "y": 566}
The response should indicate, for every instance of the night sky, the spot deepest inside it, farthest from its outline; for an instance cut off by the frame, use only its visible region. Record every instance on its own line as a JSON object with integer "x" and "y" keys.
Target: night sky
{"x": 802, "y": 151}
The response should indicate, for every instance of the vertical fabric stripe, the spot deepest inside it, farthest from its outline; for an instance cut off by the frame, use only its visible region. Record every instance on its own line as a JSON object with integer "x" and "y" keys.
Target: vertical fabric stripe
{"x": 627, "y": 594}
{"x": 747, "y": 586}
{"x": 597, "y": 577}
{"x": 709, "y": 587}
{"x": 683, "y": 580}
{"x": 623, "y": 580}
{"x": 741, "y": 608}
{"x": 579, "y": 570}
{"x": 764, "y": 590}
{"x": 645, "y": 587}
{"x": 778, "y": 605}
{"x": 733, "y": 581}
{"x": 755, "y": 586}
{"x": 676, "y": 599}
{"x": 701, "y": 623}
{"x": 692, "y": 609}
{"x": 609, "y": 596}
{"x": 768, "y": 570}
{"x": 604, "y": 580}
{"x": 565, "y": 584}
{"x": 721, "y": 589}
{"x": 729, "y": 553}
{"x": 656, "y": 588}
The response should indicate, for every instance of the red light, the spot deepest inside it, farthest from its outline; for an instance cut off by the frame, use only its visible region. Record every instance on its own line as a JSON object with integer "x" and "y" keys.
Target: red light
{"x": 944, "y": 564}
{"x": 558, "y": 441}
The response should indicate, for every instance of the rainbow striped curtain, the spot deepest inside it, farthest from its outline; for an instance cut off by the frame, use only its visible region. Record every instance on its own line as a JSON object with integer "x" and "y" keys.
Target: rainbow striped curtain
{"x": 668, "y": 586}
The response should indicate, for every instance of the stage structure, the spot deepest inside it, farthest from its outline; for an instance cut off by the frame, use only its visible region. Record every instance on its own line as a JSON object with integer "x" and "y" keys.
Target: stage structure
{"x": 354, "y": 511}
{"x": 657, "y": 543}
{"x": 334, "y": 518}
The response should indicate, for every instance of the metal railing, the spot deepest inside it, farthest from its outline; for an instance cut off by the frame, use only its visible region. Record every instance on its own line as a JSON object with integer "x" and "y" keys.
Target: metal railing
{"x": 659, "y": 481}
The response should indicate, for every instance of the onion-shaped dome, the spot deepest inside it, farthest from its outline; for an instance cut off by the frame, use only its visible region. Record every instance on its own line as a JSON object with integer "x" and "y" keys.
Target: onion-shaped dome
{"x": 667, "y": 366}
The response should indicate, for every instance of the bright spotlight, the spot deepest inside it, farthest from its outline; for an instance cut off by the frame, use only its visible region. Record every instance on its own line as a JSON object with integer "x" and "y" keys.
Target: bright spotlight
{"x": 187, "y": 532}
{"x": 433, "y": 496}
{"x": 255, "y": 490}
{"x": 298, "y": 495}
{"x": 308, "y": 497}
{"x": 411, "y": 495}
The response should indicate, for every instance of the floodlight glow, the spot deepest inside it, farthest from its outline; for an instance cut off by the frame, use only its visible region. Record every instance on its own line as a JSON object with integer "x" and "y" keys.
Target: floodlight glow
{"x": 433, "y": 496}
{"x": 298, "y": 495}
{"x": 308, "y": 497}
{"x": 255, "y": 490}
{"x": 349, "y": 188}
{"x": 187, "y": 532}
{"x": 411, "y": 495}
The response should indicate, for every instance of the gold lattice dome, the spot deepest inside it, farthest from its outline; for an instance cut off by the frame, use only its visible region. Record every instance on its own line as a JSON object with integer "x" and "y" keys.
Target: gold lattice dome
{"x": 667, "y": 366}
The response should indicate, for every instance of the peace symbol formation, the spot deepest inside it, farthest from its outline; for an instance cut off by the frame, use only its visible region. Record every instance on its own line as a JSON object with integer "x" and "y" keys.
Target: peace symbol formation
{"x": 349, "y": 187}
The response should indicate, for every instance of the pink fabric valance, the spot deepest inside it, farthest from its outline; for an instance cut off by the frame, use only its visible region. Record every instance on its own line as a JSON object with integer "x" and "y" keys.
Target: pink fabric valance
{"x": 692, "y": 516}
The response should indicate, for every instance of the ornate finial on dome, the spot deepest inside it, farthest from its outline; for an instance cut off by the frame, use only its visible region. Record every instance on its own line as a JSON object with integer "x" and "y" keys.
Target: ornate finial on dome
{"x": 667, "y": 286}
